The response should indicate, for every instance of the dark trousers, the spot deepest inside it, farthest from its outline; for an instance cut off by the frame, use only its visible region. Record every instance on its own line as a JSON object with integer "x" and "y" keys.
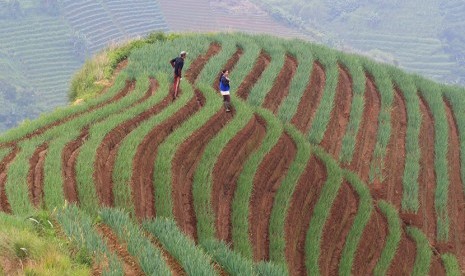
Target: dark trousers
{"x": 227, "y": 101}
{"x": 176, "y": 81}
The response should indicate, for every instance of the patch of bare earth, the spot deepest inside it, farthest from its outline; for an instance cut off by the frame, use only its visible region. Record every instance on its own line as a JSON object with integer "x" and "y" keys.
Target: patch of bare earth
{"x": 337, "y": 227}
{"x": 367, "y": 133}
{"x": 300, "y": 213}
{"x": 404, "y": 260}
{"x": 310, "y": 100}
{"x": 281, "y": 87}
{"x": 35, "y": 177}
{"x": 184, "y": 165}
{"x": 142, "y": 183}
{"x": 4, "y": 164}
{"x": 260, "y": 65}
{"x": 173, "y": 264}
{"x": 130, "y": 264}
{"x": 197, "y": 65}
{"x": 340, "y": 115}
{"x": 227, "y": 170}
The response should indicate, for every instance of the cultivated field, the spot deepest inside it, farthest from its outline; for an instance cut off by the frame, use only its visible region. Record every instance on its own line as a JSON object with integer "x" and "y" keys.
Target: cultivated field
{"x": 329, "y": 164}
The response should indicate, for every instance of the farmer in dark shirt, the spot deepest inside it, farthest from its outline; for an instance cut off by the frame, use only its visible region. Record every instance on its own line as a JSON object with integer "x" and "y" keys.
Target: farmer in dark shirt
{"x": 177, "y": 63}
{"x": 224, "y": 89}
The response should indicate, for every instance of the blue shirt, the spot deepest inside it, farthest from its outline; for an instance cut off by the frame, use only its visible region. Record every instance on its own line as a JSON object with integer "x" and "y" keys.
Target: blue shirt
{"x": 224, "y": 84}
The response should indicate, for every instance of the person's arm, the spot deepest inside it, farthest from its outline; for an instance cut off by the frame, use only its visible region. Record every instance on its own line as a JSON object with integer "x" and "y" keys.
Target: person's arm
{"x": 172, "y": 62}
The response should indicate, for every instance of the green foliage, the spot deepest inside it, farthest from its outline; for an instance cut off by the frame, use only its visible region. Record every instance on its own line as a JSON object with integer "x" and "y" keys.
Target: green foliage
{"x": 451, "y": 264}
{"x": 424, "y": 252}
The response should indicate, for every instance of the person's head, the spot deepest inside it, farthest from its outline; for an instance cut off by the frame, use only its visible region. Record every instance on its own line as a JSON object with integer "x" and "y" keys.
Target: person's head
{"x": 225, "y": 72}
{"x": 183, "y": 54}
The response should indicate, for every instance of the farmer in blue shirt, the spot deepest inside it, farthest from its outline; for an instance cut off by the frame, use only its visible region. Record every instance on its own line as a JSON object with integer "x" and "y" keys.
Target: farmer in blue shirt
{"x": 224, "y": 89}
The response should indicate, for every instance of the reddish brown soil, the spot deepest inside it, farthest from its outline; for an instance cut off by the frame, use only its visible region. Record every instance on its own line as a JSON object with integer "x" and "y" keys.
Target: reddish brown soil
{"x": 437, "y": 267}
{"x": 130, "y": 265}
{"x": 395, "y": 156}
{"x": 68, "y": 159}
{"x": 4, "y": 164}
{"x": 106, "y": 152}
{"x": 35, "y": 177}
{"x": 175, "y": 267}
{"x": 184, "y": 165}
{"x": 403, "y": 261}
{"x": 371, "y": 244}
{"x": 427, "y": 176}
{"x": 366, "y": 136}
{"x": 226, "y": 172}
{"x": 267, "y": 181}
{"x": 260, "y": 65}
{"x": 280, "y": 89}
{"x": 300, "y": 212}
{"x": 310, "y": 100}
{"x": 456, "y": 193}
{"x": 197, "y": 65}
{"x": 337, "y": 228}
{"x": 332, "y": 140}
{"x": 143, "y": 189}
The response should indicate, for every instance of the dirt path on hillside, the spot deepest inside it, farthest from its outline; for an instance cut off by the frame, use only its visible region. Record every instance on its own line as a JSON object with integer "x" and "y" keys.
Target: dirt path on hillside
{"x": 142, "y": 183}
{"x": 227, "y": 170}
{"x": 260, "y": 65}
{"x": 340, "y": 115}
{"x": 4, "y": 164}
{"x": 310, "y": 99}
{"x": 337, "y": 227}
{"x": 35, "y": 177}
{"x": 456, "y": 200}
{"x": 270, "y": 174}
{"x": 175, "y": 267}
{"x": 197, "y": 65}
{"x": 367, "y": 132}
{"x": 184, "y": 165}
{"x": 282, "y": 84}
{"x": 304, "y": 199}
{"x": 129, "y": 262}
{"x": 371, "y": 244}
{"x": 108, "y": 148}
{"x": 395, "y": 153}
{"x": 128, "y": 88}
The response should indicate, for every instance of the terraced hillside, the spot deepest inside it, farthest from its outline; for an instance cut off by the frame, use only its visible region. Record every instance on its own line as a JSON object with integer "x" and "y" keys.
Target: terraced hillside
{"x": 329, "y": 163}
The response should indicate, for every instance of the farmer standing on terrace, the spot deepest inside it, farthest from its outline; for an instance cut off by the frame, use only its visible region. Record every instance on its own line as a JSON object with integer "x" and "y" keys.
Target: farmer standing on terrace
{"x": 177, "y": 63}
{"x": 224, "y": 89}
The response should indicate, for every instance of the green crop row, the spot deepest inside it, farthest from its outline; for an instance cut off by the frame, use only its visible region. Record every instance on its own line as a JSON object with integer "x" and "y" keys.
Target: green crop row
{"x": 451, "y": 264}
{"x": 423, "y": 249}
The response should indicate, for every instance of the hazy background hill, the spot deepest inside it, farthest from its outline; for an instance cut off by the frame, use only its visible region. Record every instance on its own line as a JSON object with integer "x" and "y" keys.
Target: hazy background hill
{"x": 42, "y": 43}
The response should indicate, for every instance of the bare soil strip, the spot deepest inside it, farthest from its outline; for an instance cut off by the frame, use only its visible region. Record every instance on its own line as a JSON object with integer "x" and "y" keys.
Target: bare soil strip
{"x": 367, "y": 133}
{"x": 130, "y": 264}
{"x": 173, "y": 264}
{"x": 456, "y": 193}
{"x": 197, "y": 65}
{"x": 106, "y": 152}
{"x": 337, "y": 228}
{"x": 371, "y": 244}
{"x": 280, "y": 89}
{"x": 395, "y": 156}
{"x": 260, "y": 65}
{"x": 310, "y": 100}
{"x": 300, "y": 213}
{"x": 142, "y": 184}
{"x": 4, "y": 164}
{"x": 230, "y": 64}
{"x": 35, "y": 177}
{"x": 185, "y": 163}
{"x": 267, "y": 181}
{"x": 332, "y": 140}
{"x": 227, "y": 170}
{"x": 404, "y": 260}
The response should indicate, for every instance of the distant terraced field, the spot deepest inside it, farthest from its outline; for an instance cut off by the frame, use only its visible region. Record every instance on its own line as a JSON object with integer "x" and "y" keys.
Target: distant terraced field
{"x": 329, "y": 164}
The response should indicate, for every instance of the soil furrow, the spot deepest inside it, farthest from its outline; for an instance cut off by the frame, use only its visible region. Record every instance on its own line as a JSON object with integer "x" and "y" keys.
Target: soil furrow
{"x": 106, "y": 152}
{"x": 310, "y": 100}
{"x": 332, "y": 140}
{"x": 267, "y": 181}
{"x": 367, "y": 133}
{"x": 456, "y": 200}
{"x": 184, "y": 165}
{"x": 300, "y": 212}
{"x": 260, "y": 65}
{"x": 337, "y": 228}
{"x": 281, "y": 87}
{"x": 146, "y": 153}
{"x": 4, "y": 164}
{"x": 35, "y": 177}
{"x": 404, "y": 260}
{"x": 128, "y": 88}
{"x": 371, "y": 244}
{"x": 227, "y": 170}
{"x": 175, "y": 267}
{"x": 197, "y": 65}
{"x": 130, "y": 264}
{"x": 395, "y": 156}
